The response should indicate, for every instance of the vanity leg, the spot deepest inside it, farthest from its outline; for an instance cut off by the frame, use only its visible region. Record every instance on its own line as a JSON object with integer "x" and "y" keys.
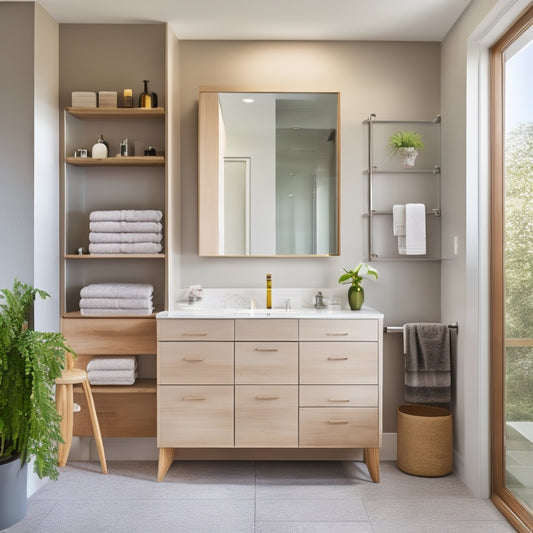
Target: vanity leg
{"x": 166, "y": 456}
{"x": 371, "y": 458}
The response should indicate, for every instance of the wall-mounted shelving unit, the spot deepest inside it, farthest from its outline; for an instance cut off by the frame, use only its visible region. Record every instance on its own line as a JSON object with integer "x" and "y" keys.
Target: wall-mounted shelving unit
{"x": 389, "y": 184}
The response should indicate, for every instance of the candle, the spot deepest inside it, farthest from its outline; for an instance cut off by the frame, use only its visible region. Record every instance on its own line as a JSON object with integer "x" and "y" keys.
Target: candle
{"x": 128, "y": 98}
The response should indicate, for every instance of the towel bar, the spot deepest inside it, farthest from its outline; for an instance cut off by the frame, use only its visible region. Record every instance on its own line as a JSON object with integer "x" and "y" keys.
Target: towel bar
{"x": 399, "y": 329}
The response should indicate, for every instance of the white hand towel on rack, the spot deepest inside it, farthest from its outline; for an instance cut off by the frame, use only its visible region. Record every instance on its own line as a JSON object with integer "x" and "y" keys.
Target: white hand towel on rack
{"x": 415, "y": 229}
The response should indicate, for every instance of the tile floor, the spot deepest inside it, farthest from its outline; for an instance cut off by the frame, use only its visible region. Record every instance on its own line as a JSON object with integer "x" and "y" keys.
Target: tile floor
{"x": 254, "y": 497}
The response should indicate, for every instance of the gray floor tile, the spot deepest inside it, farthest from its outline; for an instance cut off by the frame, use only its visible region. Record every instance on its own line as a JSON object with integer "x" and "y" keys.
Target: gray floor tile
{"x": 311, "y": 510}
{"x": 313, "y": 527}
{"x": 434, "y": 526}
{"x": 150, "y": 516}
{"x": 426, "y": 509}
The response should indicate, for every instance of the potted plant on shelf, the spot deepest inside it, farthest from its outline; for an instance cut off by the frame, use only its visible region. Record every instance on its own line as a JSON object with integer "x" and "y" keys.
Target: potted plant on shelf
{"x": 407, "y": 143}
{"x": 30, "y": 361}
{"x": 356, "y": 293}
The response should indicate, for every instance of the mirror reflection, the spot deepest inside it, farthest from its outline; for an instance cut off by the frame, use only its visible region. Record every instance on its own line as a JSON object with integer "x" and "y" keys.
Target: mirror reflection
{"x": 268, "y": 173}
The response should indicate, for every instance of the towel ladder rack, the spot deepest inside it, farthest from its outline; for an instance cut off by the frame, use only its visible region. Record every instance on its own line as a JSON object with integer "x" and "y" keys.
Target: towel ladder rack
{"x": 399, "y": 329}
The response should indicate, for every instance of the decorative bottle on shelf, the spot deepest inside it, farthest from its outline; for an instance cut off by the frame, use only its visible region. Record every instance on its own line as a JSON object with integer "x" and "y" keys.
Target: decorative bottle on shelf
{"x": 269, "y": 292}
{"x": 146, "y": 98}
{"x": 100, "y": 149}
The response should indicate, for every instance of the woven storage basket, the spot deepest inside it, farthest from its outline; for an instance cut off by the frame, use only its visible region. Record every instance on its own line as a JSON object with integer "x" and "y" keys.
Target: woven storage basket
{"x": 425, "y": 440}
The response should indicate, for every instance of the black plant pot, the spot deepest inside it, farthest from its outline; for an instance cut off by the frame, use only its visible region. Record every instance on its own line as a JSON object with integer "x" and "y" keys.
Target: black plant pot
{"x": 13, "y": 491}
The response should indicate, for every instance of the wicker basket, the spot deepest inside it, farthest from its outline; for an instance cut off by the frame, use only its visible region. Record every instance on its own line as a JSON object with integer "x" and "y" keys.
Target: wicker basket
{"x": 425, "y": 440}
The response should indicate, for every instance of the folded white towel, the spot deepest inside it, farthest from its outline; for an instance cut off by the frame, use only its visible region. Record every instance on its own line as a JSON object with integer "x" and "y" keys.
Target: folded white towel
{"x": 112, "y": 377}
{"x": 115, "y": 303}
{"x": 125, "y": 248}
{"x": 415, "y": 229}
{"x": 127, "y": 215}
{"x": 398, "y": 220}
{"x": 122, "y": 362}
{"x": 116, "y": 312}
{"x": 100, "y": 237}
{"x": 117, "y": 290}
{"x": 125, "y": 227}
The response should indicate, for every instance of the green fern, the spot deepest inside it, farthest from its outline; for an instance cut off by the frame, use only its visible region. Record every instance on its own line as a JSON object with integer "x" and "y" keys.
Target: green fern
{"x": 406, "y": 139}
{"x": 30, "y": 361}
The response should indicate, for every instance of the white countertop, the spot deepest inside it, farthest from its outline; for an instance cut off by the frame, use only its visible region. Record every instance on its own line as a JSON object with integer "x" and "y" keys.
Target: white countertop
{"x": 306, "y": 312}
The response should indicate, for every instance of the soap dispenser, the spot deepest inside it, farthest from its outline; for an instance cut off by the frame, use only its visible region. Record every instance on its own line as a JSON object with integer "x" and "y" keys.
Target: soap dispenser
{"x": 100, "y": 149}
{"x": 269, "y": 292}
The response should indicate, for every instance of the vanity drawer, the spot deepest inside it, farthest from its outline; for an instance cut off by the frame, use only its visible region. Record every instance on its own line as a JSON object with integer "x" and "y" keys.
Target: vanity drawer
{"x": 338, "y": 396}
{"x": 338, "y": 363}
{"x": 266, "y": 329}
{"x": 195, "y": 416}
{"x": 183, "y": 329}
{"x": 339, "y": 330}
{"x": 266, "y": 362}
{"x": 266, "y": 416}
{"x": 350, "y": 427}
{"x": 110, "y": 336}
{"x": 188, "y": 363}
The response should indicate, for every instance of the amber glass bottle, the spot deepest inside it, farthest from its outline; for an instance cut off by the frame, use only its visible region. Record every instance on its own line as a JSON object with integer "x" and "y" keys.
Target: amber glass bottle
{"x": 269, "y": 292}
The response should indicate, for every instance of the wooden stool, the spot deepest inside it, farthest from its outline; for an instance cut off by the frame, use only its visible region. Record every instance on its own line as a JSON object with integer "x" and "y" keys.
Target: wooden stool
{"x": 65, "y": 407}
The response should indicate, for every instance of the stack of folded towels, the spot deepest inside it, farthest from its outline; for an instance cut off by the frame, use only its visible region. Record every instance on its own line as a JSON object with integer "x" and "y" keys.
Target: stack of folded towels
{"x": 117, "y": 299}
{"x": 126, "y": 231}
{"x": 116, "y": 370}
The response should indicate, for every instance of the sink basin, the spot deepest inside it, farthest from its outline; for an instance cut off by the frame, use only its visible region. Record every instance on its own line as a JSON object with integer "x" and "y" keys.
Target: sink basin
{"x": 241, "y": 312}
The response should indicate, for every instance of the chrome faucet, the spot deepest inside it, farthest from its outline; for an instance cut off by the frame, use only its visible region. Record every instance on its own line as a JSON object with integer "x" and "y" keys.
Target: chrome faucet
{"x": 319, "y": 301}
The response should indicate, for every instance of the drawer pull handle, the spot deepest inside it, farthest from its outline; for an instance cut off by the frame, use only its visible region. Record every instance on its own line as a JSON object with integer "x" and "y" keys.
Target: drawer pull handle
{"x": 337, "y": 358}
{"x": 193, "y": 359}
{"x": 193, "y": 398}
{"x": 336, "y": 334}
{"x": 337, "y": 421}
{"x": 194, "y": 334}
{"x": 340, "y": 400}
{"x": 267, "y": 350}
{"x": 267, "y": 397}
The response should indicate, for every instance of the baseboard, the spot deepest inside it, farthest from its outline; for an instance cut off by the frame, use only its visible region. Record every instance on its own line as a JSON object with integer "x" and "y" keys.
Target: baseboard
{"x": 145, "y": 449}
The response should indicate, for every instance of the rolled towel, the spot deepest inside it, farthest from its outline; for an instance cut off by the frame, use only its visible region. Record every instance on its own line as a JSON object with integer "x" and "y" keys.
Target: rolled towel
{"x": 99, "y": 237}
{"x": 116, "y": 312}
{"x": 127, "y": 215}
{"x": 117, "y": 290}
{"x": 115, "y": 303}
{"x": 123, "y": 362}
{"x": 125, "y": 227}
{"x": 112, "y": 377}
{"x": 125, "y": 248}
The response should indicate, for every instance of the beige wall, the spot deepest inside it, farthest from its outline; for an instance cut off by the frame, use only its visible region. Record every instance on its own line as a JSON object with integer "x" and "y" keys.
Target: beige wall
{"x": 393, "y": 80}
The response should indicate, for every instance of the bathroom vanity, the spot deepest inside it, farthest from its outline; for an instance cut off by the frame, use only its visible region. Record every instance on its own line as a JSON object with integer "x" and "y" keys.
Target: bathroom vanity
{"x": 293, "y": 381}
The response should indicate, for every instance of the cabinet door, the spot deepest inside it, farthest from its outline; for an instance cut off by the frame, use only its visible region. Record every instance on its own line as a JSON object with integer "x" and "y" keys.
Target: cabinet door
{"x": 266, "y": 329}
{"x": 338, "y": 363}
{"x": 266, "y": 416}
{"x": 339, "y": 330}
{"x": 192, "y": 416}
{"x": 349, "y": 427}
{"x": 200, "y": 363}
{"x": 186, "y": 329}
{"x": 266, "y": 363}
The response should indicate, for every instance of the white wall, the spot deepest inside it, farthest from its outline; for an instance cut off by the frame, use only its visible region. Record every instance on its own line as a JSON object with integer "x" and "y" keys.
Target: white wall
{"x": 465, "y": 199}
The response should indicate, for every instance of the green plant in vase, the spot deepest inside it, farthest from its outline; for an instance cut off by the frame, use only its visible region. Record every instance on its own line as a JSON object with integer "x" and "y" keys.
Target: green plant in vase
{"x": 407, "y": 143}
{"x": 356, "y": 293}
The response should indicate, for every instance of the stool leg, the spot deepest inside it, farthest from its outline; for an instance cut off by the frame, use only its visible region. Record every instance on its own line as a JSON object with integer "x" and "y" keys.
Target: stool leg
{"x": 64, "y": 404}
{"x": 95, "y": 424}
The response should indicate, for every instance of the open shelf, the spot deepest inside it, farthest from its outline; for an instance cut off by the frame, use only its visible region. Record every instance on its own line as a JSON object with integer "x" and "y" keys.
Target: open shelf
{"x": 114, "y": 256}
{"x": 118, "y": 161}
{"x": 141, "y": 386}
{"x": 116, "y": 112}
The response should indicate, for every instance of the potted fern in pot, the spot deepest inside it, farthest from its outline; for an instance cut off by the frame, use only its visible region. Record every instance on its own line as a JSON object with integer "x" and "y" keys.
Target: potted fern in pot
{"x": 30, "y": 361}
{"x": 407, "y": 144}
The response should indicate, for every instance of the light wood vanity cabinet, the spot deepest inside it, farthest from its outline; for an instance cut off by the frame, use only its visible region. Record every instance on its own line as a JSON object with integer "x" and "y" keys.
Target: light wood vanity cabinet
{"x": 269, "y": 383}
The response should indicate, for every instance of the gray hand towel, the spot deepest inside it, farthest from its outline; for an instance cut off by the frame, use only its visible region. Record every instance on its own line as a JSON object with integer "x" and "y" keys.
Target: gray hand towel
{"x": 427, "y": 363}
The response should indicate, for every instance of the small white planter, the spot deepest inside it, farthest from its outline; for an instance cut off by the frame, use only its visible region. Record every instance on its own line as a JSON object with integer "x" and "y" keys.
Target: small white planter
{"x": 408, "y": 156}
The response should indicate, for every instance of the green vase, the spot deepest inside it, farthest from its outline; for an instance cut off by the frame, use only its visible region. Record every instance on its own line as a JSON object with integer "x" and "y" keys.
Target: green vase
{"x": 356, "y": 297}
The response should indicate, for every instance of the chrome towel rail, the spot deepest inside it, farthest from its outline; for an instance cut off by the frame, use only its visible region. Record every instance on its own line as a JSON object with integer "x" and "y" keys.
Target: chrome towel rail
{"x": 399, "y": 329}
